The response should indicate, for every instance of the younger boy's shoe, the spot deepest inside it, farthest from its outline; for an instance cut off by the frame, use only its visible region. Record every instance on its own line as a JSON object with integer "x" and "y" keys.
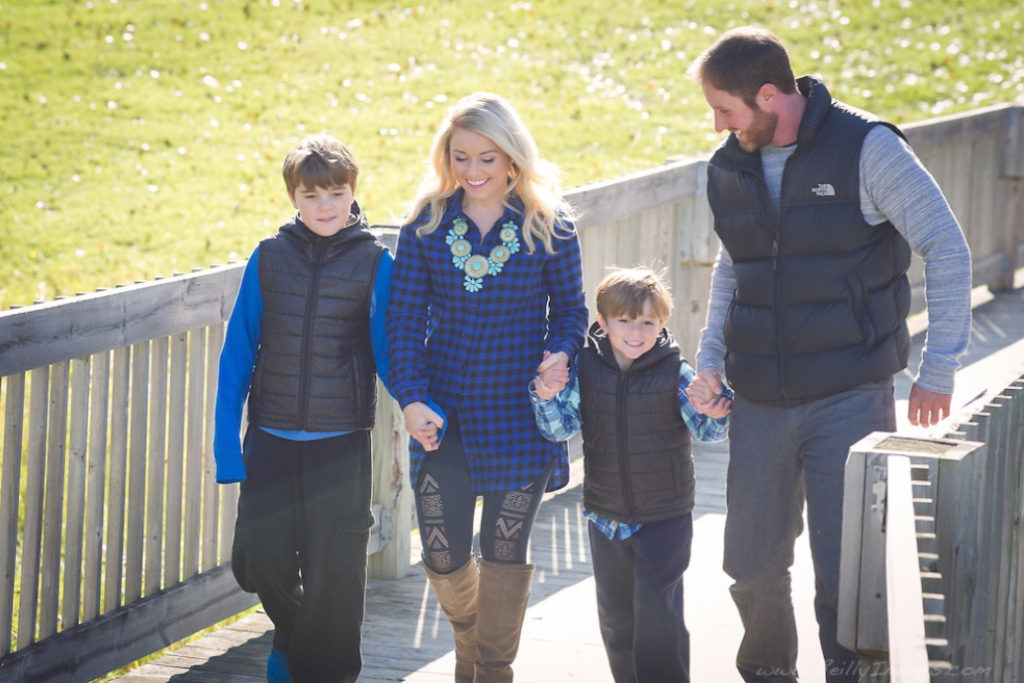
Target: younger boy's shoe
{"x": 277, "y": 667}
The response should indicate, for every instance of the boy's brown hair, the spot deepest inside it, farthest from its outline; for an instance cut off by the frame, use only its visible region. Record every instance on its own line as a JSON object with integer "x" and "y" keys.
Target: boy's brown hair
{"x": 319, "y": 161}
{"x": 624, "y": 291}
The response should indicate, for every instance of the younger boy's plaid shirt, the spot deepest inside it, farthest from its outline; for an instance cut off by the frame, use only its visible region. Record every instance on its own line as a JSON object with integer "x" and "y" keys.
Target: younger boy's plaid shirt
{"x": 474, "y": 352}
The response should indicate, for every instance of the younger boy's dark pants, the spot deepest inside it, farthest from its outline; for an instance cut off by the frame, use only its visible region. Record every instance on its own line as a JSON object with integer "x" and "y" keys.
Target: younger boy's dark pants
{"x": 640, "y": 601}
{"x": 300, "y": 544}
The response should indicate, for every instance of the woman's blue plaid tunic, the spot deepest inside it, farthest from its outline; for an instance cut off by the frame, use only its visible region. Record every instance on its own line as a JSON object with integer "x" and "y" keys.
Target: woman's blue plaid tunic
{"x": 474, "y": 353}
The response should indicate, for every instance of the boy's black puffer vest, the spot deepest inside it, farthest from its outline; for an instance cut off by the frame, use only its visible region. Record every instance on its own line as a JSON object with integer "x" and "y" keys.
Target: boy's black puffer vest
{"x": 821, "y": 296}
{"x": 636, "y": 446}
{"x": 315, "y": 369}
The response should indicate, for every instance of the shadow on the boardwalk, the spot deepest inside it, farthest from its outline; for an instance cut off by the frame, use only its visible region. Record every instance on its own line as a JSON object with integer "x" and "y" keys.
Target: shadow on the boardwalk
{"x": 405, "y": 631}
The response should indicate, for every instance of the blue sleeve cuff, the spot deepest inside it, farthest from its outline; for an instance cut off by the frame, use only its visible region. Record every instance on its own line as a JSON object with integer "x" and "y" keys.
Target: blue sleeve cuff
{"x": 230, "y": 469}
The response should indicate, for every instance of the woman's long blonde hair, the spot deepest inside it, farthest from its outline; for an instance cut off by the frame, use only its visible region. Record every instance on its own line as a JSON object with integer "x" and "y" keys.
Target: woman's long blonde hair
{"x": 534, "y": 181}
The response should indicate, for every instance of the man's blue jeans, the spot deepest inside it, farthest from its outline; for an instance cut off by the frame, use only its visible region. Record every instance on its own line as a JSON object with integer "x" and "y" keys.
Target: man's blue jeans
{"x": 778, "y": 458}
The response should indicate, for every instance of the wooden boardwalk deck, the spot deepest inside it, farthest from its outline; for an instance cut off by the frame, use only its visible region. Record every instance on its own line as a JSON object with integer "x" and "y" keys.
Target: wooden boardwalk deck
{"x": 407, "y": 638}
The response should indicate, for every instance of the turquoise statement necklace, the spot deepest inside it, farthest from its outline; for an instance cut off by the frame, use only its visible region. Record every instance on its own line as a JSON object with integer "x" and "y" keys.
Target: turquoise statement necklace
{"x": 476, "y": 266}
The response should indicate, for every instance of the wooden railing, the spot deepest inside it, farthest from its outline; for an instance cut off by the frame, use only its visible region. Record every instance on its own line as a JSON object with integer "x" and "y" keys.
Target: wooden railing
{"x": 932, "y": 573}
{"x": 114, "y": 538}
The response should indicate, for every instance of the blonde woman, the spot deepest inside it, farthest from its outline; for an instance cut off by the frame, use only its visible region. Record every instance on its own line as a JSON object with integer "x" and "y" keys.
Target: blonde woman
{"x": 486, "y": 289}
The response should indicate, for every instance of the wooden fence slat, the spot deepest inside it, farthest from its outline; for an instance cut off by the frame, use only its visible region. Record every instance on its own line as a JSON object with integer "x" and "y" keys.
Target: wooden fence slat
{"x": 175, "y": 461}
{"x": 135, "y": 514}
{"x": 74, "y": 526}
{"x": 214, "y": 341}
{"x": 908, "y": 656}
{"x": 1014, "y": 492}
{"x": 95, "y": 486}
{"x": 194, "y": 452}
{"x": 53, "y": 506}
{"x": 156, "y": 464}
{"x": 33, "y": 523}
{"x": 116, "y": 479}
{"x": 1005, "y": 506}
{"x": 10, "y": 496}
{"x": 228, "y": 494}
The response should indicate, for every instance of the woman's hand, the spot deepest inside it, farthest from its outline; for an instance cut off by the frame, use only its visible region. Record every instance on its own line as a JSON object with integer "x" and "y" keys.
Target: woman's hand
{"x": 423, "y": 424}
{"x": 552, "y": 375}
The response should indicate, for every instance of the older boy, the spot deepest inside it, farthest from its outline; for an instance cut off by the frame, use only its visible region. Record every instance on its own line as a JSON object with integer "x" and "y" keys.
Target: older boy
{"x": 301, "y": 344}
{"x": 628, "y": 395}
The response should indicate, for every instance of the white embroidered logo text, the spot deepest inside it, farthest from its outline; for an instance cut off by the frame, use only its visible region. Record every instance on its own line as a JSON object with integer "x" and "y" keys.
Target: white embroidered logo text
{"x": 824, "y": 190}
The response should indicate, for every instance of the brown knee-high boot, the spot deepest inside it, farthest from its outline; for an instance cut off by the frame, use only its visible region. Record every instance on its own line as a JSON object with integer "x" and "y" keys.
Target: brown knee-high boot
{"x": 501, "y": 606}
{"x": 457, "y": 594}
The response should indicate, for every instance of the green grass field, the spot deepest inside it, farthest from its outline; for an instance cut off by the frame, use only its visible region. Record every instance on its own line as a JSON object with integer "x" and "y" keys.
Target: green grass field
{"x": 145, "y": 137}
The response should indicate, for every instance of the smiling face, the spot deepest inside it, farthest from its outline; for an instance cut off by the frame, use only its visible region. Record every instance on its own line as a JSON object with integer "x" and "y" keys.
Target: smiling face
{"x": 325, "y": 211}
{"x": 632, "y": 337}
{"x": 480, "y": 167}
{"x": 753, "y": 127}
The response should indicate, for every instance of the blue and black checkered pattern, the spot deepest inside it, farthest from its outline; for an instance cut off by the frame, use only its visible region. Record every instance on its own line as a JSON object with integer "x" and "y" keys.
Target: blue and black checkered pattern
{"x": 474, "y": 353}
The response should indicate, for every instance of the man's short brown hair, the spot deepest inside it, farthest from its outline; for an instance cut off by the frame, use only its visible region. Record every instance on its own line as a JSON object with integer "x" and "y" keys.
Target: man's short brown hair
{"x": 742, "y": 60}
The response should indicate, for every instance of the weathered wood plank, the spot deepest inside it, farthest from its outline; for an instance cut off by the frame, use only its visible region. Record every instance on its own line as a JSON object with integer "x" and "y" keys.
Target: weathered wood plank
{"x": 194, "y": 452}
{"x": 53, "y": 506}
{"x": 92, "y": 571}
{"x": 10, "y": 496}
{"x": 91, "y": 649}
{"x": 32, "y": 534}
{"x": 135, "y": 512}
{"x": 116, "y": 479}
{"x": 211, "y": 528}
{"x": 854, "y": 492}
{"x": 175, "y": 462}
{"x": 908, "y": 656}
{"x": 635, "y": 193}
{"x": 89, "y": 323}
{"x": 156, "y": 462}
{"x": 74, "y": 527}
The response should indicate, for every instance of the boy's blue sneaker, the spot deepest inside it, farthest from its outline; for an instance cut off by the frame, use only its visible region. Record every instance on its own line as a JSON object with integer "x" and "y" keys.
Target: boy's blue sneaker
{"x": 277, "y": 667}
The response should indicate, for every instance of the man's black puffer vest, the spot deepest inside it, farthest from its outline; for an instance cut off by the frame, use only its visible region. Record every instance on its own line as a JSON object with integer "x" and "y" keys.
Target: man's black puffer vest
{"x": 821, "y": 296}
{"x": 636, "y": 446}
{"x": 315, "y": 369}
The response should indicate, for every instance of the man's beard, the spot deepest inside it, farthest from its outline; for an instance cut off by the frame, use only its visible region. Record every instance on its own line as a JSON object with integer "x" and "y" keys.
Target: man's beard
{"x": 760, "y": 132}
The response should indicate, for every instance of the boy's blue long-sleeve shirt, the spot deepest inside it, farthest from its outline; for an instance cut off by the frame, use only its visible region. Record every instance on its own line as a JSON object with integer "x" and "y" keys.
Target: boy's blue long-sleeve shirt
{"x": 238, "y": 358}
{"x": 559, "y": 419}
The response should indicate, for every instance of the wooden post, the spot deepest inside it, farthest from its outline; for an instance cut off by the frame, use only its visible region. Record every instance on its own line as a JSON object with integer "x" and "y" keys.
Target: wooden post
{"x": 862, "y": 624}
{"x": 1011, "y": 180}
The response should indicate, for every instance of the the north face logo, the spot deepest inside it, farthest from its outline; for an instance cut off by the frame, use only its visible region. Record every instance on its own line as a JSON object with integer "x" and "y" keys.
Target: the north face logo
{"x": 824, "y": 190}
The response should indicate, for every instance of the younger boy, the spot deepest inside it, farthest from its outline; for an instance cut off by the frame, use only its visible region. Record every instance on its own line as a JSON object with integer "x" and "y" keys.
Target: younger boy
{"x": 301, "y": 344}
{"x": 628, "y": 395}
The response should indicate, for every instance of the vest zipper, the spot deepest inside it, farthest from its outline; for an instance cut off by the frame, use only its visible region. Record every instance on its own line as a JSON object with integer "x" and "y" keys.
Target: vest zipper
{"x": 306, "y": 351}
{"x": 622, "y": 384}
{"x": 776, "y": 304}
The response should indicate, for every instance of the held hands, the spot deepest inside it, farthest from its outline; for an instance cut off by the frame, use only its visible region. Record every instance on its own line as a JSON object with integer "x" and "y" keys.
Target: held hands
{"x": 423, "y": 424}
{"x": 927, "y": 408}
{"x": 552, "y": 375}
{"x": 705, "y": 394}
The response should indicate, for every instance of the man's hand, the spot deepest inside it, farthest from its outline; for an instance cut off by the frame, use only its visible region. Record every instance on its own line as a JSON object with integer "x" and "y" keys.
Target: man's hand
{"x": 927, "y": 408}
{"x": 423, "y": 424}
{"x": 705, "y": 394}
